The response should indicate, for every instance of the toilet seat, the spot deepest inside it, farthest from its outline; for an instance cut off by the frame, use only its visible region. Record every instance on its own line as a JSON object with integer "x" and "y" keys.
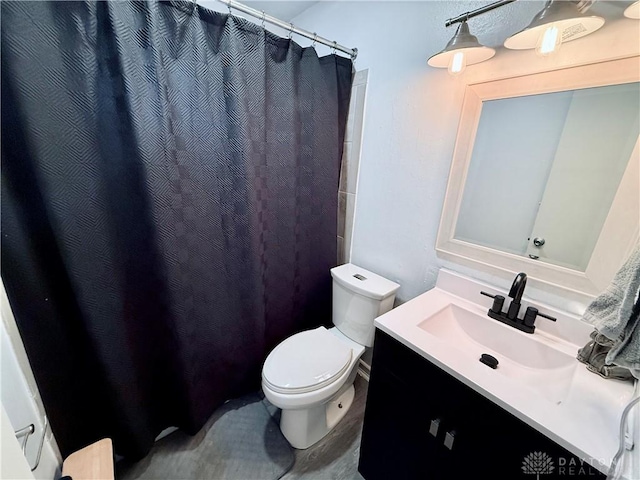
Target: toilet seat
{"x": 306, "y": 361}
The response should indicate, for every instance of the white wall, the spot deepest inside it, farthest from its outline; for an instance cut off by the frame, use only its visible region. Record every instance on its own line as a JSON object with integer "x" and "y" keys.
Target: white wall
{"x": 13, "y": 465}
{"x": 21, "y": 399}
{"x": 413, "y": 111}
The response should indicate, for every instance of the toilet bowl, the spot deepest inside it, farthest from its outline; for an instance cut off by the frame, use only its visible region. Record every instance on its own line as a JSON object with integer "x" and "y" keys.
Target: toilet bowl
{"x": 310, "y": 375}
{"x": 314, "y": 394}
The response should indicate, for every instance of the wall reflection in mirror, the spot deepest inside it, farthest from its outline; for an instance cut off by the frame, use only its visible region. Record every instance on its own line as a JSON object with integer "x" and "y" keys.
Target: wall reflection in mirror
{"x": 545, "y": 169}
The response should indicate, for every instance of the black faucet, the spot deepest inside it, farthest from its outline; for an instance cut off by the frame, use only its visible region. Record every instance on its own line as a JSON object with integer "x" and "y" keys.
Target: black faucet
{"x": 527, "y": 323}
{"x": 517, "y": 289}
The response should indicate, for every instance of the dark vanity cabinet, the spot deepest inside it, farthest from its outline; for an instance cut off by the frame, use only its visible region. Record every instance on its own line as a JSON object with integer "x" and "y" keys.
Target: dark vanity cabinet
{"x": 422, "y": 423}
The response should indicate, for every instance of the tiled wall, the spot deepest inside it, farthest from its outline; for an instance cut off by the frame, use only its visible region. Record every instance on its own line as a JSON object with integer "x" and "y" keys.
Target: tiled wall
{"x": 350, "y": 163}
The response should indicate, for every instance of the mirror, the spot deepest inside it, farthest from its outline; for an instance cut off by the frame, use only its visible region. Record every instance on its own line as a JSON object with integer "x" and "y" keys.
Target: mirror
{"x": 544, "y": 171}
{"x": 545, "y": 176}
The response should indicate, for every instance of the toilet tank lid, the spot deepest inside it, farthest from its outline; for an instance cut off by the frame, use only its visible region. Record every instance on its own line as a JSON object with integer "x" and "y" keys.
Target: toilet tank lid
{"x": 364, "y": 282}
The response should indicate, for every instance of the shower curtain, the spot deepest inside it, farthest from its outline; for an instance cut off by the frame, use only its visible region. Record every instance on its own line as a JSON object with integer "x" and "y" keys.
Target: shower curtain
{"x": 169, "y": 179}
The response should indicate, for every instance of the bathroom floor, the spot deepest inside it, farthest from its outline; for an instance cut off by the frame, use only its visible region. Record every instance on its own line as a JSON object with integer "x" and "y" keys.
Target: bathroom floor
{"x": 182, "y": 457}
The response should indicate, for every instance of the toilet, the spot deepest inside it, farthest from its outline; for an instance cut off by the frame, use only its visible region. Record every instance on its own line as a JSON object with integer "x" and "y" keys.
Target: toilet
{"x": 310, "y": 375}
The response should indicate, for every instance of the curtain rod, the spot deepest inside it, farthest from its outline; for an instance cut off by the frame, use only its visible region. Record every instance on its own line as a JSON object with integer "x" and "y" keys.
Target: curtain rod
{"x": 352, "y": 52}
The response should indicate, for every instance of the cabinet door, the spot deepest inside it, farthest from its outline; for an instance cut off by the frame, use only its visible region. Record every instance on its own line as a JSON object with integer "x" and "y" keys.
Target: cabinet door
{"x": 482, "y": 440}
{"x": 495, "y": 443}
{"x": 403, "y": 431}
{"x": 395, "y": 439}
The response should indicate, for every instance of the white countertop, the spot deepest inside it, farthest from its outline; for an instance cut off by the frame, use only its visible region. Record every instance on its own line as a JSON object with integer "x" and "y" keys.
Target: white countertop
{"x": 586, "y": 422}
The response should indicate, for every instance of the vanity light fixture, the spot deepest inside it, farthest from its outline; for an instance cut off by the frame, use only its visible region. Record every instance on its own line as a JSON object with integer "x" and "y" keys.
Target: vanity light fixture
{"x": 462, "y": 50}
{"x": 633, "y": 11}
{"x": 558, "y": 22}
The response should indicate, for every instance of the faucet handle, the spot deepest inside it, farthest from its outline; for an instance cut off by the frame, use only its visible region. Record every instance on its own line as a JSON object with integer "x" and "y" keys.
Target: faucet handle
{"x": 553, "y": 319}
{"x": 531, "y": 314}
{"x": 498, "y": 302}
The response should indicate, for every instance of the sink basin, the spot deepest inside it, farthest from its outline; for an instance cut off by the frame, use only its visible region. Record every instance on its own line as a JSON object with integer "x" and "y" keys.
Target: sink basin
{"x": 522, "y": 357}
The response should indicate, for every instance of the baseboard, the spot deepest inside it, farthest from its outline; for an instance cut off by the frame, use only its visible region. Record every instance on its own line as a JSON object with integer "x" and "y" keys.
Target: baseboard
{"x": 364, "y": 369}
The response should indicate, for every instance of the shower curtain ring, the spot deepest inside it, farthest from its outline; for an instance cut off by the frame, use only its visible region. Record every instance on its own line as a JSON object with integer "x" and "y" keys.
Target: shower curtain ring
{"x": 291, "y": 30}
{"x": 263, "y": 15}
{"x": 334, "y": 49}
{"x": 315, "y": 37}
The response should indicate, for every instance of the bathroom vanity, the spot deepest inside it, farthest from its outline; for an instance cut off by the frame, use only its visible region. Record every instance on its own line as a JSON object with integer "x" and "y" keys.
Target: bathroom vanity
{"x": 435, "y": 412}
{"x": 422, "y": 422}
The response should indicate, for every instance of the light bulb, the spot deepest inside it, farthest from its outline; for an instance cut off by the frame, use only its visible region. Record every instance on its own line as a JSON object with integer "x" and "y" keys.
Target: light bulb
{"x": 550, "y": 41}
{"x": 458, "y": 63}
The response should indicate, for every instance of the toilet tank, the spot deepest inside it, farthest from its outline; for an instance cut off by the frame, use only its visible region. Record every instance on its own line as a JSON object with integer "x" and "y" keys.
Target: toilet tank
{"x": 359, "y": 296}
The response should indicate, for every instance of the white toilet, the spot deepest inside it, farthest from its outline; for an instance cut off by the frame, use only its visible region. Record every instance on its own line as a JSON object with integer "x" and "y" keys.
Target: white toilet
{"x": 310, "y": 375}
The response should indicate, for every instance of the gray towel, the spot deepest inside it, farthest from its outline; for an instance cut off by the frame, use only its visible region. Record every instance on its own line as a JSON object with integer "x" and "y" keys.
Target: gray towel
{"x": 616, "y": 314}
{"x": 594, "y": 354}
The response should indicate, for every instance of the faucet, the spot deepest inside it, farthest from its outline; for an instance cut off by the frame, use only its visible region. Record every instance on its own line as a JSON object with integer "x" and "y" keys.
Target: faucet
{"x": 517, "y": 289}
{"x": 527, "y": 323}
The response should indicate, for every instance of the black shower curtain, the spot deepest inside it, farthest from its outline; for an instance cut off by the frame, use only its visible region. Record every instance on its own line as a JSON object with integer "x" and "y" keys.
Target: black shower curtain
{"x": 169, "y": 186}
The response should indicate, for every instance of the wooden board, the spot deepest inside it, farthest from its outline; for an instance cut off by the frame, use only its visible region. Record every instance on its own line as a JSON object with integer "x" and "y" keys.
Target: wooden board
{"x": 94, "y": 462}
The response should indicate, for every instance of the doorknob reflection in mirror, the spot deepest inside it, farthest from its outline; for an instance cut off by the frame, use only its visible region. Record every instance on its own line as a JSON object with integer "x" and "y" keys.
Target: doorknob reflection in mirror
{"x": 538, "y": 242}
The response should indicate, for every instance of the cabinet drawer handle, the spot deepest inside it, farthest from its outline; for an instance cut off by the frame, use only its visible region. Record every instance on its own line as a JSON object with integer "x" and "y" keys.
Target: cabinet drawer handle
{"x": 449, "y": 437}
{"x": 433, "y": 428}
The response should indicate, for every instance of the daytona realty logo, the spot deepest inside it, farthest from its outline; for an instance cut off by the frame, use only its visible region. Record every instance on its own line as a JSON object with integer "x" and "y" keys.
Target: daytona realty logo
{"x": 541, "y": 464}
{"x": 538, "y": 463}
